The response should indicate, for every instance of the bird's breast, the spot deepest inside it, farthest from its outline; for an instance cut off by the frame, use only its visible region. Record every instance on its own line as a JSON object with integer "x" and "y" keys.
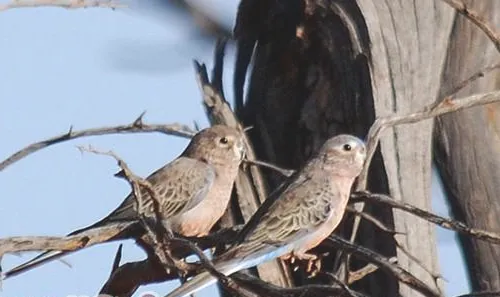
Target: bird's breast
{"x": 200, "y": 219}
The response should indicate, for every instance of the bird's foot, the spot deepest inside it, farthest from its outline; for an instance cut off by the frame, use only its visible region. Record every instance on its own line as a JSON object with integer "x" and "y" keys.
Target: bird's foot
{"x": 313, "y": 261}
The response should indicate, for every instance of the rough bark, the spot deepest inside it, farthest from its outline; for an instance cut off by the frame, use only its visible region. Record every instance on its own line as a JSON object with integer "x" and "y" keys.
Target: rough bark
{"x": 467, "y": 144}
{"x": 347, "y": 63}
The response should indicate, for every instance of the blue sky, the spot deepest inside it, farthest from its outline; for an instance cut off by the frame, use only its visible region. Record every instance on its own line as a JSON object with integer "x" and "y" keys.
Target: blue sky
{"x": 90, "y": 68}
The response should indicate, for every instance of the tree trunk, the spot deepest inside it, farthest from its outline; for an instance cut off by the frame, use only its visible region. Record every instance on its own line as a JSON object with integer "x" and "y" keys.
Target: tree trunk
{"x": 327, "y": 67}
{"x": 467, "y": 144}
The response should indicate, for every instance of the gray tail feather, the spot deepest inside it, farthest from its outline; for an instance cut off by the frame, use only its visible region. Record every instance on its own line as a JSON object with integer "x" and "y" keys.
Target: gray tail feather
{"x": 35, "y": 262}
{"x": 227, "y": 268}
{"x": 204, "y": 280}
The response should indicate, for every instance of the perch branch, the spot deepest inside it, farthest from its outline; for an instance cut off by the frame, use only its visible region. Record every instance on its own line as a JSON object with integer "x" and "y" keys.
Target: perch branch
{"x": 428, "y": 216}
{"x": 68, "y": 4}
{"x": 136, "y": 127}
{"x": 67, "y": 243}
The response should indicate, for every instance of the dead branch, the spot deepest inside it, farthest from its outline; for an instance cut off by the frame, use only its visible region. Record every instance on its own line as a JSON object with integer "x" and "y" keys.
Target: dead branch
{"x": 354, "y": 276}
{"x": 475, "y": 18}
{"x": 68, "y": 4}
{"x": 472, "y": 78}
{"x": 428, "y": 216}
{"x": 138, "y": 126}
{"x": 282, "y": 171}
{"x": 446, "y": 106}
{"x": 372, "y": 220}
{"x": 66, "y": 243}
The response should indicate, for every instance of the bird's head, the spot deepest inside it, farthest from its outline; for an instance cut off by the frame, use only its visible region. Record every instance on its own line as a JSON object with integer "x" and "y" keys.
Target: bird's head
{"x": 218, "y": 145}
{"x": 343, "y": 155}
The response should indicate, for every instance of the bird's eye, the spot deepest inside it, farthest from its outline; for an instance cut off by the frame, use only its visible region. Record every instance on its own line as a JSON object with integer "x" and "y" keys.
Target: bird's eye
{"x": 347, "y": 147}
{"x": 224, "y": 140}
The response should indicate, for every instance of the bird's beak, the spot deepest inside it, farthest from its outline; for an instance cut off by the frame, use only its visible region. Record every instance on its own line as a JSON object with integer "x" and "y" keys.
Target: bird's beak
{"x": 361, "y": 156}
{"x": 240, "y": 150}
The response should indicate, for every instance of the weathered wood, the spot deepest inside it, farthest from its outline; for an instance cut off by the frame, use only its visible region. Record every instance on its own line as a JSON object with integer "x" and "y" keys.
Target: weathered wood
{"x": 467, "y": 144}
{"x": 409, "y": 40}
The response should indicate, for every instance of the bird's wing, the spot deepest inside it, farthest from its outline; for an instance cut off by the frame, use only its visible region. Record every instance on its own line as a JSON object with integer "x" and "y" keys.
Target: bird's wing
{"x": 294, "y": 181}
{"x": 179, "y": 185}
{"x": 300, "y": 210}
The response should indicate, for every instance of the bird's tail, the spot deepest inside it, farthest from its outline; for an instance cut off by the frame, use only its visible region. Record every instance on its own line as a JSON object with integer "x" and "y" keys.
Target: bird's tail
{"x": 205, "y": 279}
{"x": 227, "y": 264}
{"x": 35, "y": 262}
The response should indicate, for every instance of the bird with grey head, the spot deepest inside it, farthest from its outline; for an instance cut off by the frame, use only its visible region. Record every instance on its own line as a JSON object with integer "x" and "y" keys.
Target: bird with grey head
{"x": 307, "y": 211}
{"x": 193, "y": 192}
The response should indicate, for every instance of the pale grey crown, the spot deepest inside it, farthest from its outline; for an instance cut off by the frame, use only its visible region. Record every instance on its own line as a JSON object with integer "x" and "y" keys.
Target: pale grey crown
{"x": 344, "y": 155}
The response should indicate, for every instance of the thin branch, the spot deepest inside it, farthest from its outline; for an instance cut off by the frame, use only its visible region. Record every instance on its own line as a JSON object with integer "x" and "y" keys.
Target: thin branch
{"x": 136, "y": 127}
{"x": 478, "y": 20}
{"x": 354, "y": 276}
{"x": 372, "y": 220}
{"x": 282, "y": 171}
{"x": 41, "y": 243}
{"x": 428, "y": 216}
{"x": 117, "y": 260}
{"x": 341, "y": 284}
{"x": 67, "y": 243}
{"x": 481, "y": 73}
{"x": 446, "y": 106}
{"x": 68, "y": 4}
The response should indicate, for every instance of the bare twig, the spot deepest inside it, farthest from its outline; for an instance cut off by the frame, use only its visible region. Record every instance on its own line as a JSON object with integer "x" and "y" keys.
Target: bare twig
{"x": 428, "y": 216}
{"x": 66, "y": 243}
{"x": 136, "y": 127}
{"x": 481, "y": 73}
{"x": 354, "y": 276}
{"x": 475, "y": 18}
{"x": 372, "y": 220}
{"x": 117, "y": 260}
{"x": 68, "y": 4}
{"x": 341, "y": 284}
{"x": 282, "y": 171}
{"x": 446, "y": 106}
{"x": 42, "y": 243}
